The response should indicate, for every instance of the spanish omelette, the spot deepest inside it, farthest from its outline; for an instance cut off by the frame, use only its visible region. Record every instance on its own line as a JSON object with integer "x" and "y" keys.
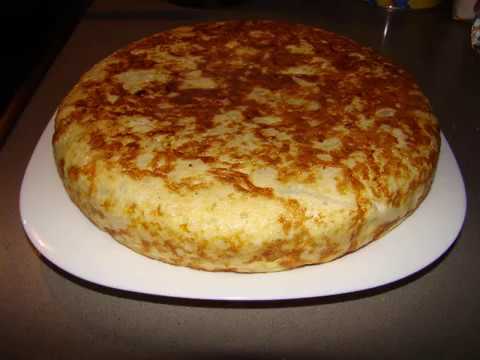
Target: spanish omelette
{"x": 246, "y": 146}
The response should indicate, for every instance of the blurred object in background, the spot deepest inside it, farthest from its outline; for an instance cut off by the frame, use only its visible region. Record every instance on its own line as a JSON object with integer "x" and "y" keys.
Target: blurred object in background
{"x": 405, "y": 4}
{"x": 463, "y": 9}
{"x": 476, "y": 29}
{"x": 469, "y": 10}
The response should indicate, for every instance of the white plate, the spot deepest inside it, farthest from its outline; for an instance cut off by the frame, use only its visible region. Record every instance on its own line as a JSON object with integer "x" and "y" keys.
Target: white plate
{"x": 65, "y": 237}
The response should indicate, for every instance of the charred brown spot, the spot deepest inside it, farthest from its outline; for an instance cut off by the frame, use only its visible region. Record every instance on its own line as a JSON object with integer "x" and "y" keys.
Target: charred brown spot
{"x": 107, "y": 205}
{"x": 240, "y": 181}
{"x": 286, "y": 224}
{"x": 146, "y": 246}
{"x": 117, "y": 232}
{"x": 97, "y": 141}
{"x": 73, "y": 173}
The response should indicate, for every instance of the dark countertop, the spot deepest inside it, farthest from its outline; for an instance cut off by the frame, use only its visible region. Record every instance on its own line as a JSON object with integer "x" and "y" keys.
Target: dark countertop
{"x": 47, "y": 313}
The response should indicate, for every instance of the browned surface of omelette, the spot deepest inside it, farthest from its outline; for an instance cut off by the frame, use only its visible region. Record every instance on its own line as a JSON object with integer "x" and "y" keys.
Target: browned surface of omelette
{"x": 247, "y": 146}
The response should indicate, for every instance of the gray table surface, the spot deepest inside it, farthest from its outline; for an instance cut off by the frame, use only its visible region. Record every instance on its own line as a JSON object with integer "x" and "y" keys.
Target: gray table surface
{"x": 47, "y": 313}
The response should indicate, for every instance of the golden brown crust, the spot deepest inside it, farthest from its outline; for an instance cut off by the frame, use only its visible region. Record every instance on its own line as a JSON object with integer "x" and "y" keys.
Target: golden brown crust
{"x": 306, "y": 144}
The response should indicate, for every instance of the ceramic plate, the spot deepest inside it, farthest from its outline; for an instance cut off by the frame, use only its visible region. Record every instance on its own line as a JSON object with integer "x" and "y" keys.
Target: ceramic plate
{"x": 65, "y": 237}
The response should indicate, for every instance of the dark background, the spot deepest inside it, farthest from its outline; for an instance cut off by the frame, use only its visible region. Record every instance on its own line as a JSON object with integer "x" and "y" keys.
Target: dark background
{"x": 31, "y": 34}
